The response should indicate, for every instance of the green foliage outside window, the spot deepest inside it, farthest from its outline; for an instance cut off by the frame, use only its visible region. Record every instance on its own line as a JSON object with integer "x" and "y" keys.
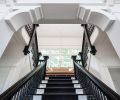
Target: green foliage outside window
{"x": 60, "y": 57}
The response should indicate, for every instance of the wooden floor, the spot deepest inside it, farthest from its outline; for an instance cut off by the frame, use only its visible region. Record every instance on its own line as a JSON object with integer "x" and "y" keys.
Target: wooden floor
{"x": 59, "y": 71}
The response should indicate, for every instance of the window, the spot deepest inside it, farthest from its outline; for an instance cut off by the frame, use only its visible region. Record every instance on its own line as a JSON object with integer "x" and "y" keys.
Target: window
{"x": 60, "y": 57}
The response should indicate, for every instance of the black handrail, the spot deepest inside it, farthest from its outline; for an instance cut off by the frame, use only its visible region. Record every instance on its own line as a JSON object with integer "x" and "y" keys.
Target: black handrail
{"x": 102, "y": 88}
{"x": 25, "y": 85}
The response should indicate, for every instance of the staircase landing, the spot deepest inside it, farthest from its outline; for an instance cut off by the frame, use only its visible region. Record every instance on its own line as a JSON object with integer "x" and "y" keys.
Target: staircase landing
{"x": 60, "y": 71}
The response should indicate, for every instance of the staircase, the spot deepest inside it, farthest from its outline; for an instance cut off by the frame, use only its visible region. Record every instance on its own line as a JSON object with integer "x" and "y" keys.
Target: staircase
{"x": 60, "y": 88}
{"x": 39, "y": 86}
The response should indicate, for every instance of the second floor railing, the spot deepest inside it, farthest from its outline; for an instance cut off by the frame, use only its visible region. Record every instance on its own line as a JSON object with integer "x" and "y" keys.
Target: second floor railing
{"x": 33, "y": 43}
{"x": 86, "y": 44}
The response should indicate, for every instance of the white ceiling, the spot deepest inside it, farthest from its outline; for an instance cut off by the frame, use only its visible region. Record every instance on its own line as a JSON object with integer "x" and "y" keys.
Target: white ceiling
{"x": 60, "y": 36}
{"x": 69, "y": 30}
{"x": 60, "y": 11}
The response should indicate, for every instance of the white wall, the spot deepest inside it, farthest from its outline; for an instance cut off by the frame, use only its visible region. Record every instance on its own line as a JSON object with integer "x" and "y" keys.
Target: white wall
{"x": 113, "y": 34}
{"x": 4, "y": 72}
{"x": 14, "y": 64}
{"x": 99, "y": 70}
{"x": 14, "y": 50}
{"x": 106, "y": 58}
{"x": 16, "y": 72}
{"x": 5, "y": 36}
{"x": 105, "y": 50}
{"x": 115, "y": 74}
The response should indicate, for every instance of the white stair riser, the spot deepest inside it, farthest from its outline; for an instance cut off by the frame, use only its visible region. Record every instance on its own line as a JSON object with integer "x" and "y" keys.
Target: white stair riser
{"x": 42, "y": 86}
{"x": 40, "y": 91}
